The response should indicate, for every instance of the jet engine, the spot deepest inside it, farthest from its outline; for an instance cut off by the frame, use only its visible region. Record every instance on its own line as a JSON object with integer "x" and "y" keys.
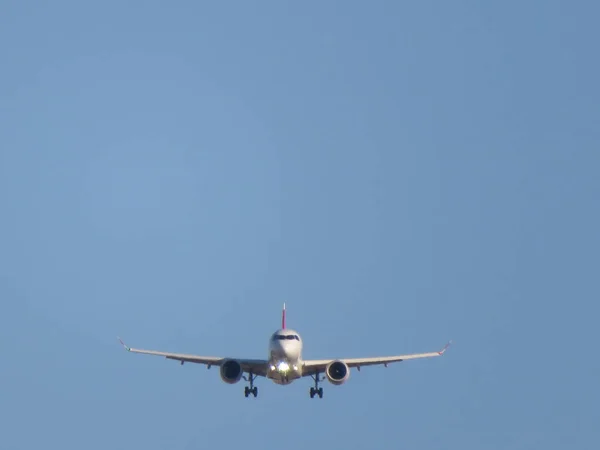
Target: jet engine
{"x": 337, "y": 372}
{"x": 231, "y": 371}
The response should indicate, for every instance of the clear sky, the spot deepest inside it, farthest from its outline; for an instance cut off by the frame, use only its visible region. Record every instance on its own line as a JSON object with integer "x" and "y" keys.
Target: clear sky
{"x": 399, "y": 173}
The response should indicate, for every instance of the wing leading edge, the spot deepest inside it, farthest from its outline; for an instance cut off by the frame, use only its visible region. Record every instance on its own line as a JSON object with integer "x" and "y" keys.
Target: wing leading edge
{"x": 256, "y": 366}
{"x": 318, "y": 365}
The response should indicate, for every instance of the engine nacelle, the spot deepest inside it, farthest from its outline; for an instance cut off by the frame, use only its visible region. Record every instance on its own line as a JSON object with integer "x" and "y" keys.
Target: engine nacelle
{"x": 231, "y": 371}
{"x": 337, "y": 372}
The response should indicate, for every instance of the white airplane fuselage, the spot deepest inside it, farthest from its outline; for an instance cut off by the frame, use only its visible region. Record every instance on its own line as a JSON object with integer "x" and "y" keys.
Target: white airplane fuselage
{"x": 285, "y": 356}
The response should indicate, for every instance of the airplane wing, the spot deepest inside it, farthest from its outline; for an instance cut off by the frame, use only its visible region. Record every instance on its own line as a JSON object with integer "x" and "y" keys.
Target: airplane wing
{"x": 255, "y": 366}
{"x": 314, "y": 366}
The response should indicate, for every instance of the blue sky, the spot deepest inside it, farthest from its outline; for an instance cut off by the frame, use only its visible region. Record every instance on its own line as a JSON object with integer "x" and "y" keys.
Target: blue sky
{"x": 399, "y": 173}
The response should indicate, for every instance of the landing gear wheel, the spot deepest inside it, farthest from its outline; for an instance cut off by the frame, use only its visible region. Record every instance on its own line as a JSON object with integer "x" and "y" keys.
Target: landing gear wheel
{"x": 251, "y": 389}
{"x": 316, "y": 390}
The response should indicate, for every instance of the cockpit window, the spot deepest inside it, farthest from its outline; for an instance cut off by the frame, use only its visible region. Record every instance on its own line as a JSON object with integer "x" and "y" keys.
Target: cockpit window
{"x": 290, "y": 337}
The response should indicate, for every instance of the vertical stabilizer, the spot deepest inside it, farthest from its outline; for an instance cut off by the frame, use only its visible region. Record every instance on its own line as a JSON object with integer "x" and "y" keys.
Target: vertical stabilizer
{"x": 283, "y": 318}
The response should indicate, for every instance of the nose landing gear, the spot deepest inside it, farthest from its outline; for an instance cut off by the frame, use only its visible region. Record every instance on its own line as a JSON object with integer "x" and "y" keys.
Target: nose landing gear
{"x": 316, "y": 390}
{"x": 250, "y": 389}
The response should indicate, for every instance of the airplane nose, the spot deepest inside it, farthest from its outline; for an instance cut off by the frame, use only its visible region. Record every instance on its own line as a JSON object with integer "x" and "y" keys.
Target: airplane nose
{"x": 283, "y": 348}
{"x": 289, "y": 348}
{"x": 278, "y": 347}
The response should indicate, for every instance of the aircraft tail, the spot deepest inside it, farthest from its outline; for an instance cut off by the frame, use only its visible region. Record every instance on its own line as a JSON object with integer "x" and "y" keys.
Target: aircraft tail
{"x": 283, "y": 318}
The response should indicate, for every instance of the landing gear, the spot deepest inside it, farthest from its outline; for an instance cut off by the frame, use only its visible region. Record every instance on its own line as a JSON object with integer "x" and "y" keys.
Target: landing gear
{"x": 251, "y": 389}
{"x": 316, "y": 390}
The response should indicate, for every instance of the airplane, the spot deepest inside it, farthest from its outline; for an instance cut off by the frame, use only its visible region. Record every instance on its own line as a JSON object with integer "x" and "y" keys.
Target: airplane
{"x": 284, "y": 363}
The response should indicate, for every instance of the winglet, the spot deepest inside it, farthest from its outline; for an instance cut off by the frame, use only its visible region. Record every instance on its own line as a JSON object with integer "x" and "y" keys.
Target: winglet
{"x": 283, "y": 318}
{"x": 123, "y": 344}
{"x": 442, "y": 351}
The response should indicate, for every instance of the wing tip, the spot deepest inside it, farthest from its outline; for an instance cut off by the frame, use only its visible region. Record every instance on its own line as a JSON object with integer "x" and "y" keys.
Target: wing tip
{"x": 442, "y": 351}
{"x": 123, "y": 344}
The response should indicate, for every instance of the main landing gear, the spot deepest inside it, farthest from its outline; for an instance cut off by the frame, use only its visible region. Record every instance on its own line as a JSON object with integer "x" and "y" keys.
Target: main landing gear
{"x": 316, "y": 390}
{"x": 251, "y": 389}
